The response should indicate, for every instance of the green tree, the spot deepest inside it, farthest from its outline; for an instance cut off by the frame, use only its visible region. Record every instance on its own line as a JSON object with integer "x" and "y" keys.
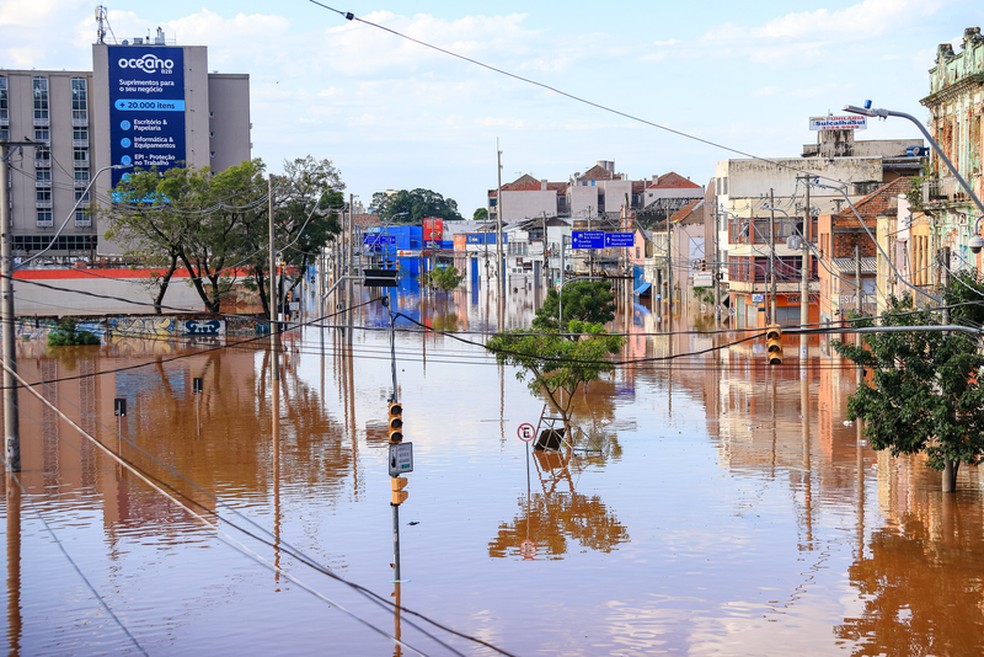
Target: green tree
{"x": 924, "y": 393}
{"x": 410, "y": 207}
{"x": 192, "y": 218}
{"x": 480, "y": 214}
{"x": 556, "y": 365}
{"x": 67, "y": 334}
{"x": 443, "y": 278}
{"x": 307, "y": 200}
{"x": 150, "y": 223}
{"x": 586, "y": 300}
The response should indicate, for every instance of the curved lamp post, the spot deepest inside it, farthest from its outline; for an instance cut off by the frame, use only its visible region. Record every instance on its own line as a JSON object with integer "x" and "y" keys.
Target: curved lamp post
{"x": 976, "y": 242}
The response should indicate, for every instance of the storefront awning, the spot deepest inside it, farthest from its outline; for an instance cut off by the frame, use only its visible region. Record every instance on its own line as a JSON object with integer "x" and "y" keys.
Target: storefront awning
{"x": 642, "y": 289}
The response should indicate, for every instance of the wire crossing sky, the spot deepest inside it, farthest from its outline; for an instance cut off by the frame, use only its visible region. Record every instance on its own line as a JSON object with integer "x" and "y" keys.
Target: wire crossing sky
{"x": 392, "y": 114}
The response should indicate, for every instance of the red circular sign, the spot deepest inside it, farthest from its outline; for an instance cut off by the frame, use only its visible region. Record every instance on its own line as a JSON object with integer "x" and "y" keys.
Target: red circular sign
{"x": 526, "y": 432}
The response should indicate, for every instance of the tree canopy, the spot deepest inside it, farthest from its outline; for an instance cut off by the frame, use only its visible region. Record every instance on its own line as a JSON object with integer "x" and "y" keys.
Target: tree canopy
{"x": 589, "y": 301}
{"x": 443, "y": 278}
{"x": 216, "y": 225}
{"x": 410, "y": 207}
{"x": 557, "y": 363}
{"x": 924, "y": 393}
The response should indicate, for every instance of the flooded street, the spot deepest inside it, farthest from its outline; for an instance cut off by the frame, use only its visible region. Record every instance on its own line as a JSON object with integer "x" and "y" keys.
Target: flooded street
{"x": 712, "y": 505}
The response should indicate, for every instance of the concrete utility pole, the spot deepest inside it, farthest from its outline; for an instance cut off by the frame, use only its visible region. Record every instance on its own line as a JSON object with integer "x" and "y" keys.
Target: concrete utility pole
{"x": 805, "y": 275}
{"x": 500, "y": 274}
{"x": 11, "y": 414}
{"x": 669, "y": 268}
{"x": 858, "y": 303}
{"x": 715, "y": 265}
{"x": 772, "y": 256}
{"x": 274, "y": 301}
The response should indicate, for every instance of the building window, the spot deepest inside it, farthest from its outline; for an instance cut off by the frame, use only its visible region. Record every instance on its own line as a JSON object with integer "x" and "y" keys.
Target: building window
{"x": 43, "y": 177}
{"x": 42, "y": 156}
{"x": 80, "y": 101}
{"x": 81, "y": 177}
{"x": 80, "y": 136}
{"x": 4, "y": 101}
{"x": 44, "y": 218}
{"x": 43, "y": 197}
{"x": 40, "y": 86}
{"x": 42, "y": 135}
{"x": 80, "y": 156}
{"x": 61, "y": 243}
{"x": 83, "y": 218}
{"x": 81, "y": 197}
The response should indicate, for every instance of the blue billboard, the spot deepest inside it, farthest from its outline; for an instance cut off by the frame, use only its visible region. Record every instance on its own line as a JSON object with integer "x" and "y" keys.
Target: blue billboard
{"x": 146, "y": 107}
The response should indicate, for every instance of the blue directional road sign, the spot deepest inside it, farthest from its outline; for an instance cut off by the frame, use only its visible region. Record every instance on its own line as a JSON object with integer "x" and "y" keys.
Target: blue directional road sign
{"x": 375, "y": 239}
{"x": 587, "y": 239}
{"x": 619, "y": 239}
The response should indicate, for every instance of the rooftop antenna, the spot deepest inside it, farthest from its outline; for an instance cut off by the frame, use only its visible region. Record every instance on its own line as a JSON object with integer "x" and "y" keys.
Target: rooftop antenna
{"x": 102, "y": 22}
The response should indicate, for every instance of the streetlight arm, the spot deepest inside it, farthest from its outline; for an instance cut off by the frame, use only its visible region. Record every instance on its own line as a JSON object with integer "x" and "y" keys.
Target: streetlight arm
{"x": 885, "y": 113}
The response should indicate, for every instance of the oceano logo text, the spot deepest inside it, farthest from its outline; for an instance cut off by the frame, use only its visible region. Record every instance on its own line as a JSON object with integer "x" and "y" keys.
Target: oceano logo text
{"x": 149, "y": 63}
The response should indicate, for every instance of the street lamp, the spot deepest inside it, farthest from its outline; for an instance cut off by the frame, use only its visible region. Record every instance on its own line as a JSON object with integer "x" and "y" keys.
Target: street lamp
{"x": 885, "y": 113}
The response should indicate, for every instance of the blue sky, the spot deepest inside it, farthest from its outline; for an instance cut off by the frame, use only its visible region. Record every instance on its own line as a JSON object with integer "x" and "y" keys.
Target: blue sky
{"x": 392, "y": 114}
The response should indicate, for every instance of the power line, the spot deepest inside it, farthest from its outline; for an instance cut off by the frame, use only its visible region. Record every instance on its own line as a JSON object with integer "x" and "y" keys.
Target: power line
{"x": 161, "y": 488}
{"x": 566, "y": 94}
{"x": 75, "y": 565}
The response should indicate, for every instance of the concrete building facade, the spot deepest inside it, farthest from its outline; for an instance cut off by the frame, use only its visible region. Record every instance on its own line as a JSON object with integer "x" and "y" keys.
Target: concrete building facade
{"x": 145, "y": 103}
{"x": 956, "y": 121}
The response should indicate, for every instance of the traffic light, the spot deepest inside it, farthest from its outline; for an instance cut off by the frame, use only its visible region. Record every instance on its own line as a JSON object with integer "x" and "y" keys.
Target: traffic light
{"x": 773, "y": 344}
{"x": 394, "y": 425}
{"x": 399, "y": 495}
{"x": 703, "y": 264}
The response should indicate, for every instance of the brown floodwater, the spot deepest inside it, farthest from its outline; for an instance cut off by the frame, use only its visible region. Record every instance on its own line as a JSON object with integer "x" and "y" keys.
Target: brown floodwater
{"x": 711, "y": 505}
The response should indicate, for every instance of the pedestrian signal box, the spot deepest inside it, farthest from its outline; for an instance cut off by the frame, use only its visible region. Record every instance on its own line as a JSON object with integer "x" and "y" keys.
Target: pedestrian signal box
{"x": 773, "y": 344}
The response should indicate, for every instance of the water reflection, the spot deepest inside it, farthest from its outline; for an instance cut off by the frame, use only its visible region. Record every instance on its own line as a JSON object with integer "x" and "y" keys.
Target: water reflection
{"x": 548, "y": 520}
{"x": 921, "y": 576}
{"x": 708, "y": 505}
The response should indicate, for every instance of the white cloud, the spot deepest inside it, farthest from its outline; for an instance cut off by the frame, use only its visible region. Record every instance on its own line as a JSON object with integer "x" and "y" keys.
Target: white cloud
{"x": 29, "y": 14}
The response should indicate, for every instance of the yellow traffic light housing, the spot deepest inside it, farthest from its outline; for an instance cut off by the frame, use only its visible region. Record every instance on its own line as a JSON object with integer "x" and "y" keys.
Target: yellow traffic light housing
{"x": 399, "y": 495}
{"x": 773, "y": 344}
{"x": 394, "y": 425}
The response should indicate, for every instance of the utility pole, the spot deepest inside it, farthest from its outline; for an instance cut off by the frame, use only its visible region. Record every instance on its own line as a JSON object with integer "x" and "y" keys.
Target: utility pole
{"x": 11, "y": 414}
{"x": 805, "y": 267}
{"x": 499, "y": 269}
{"x": 772, "y": 256}
{"x": 274, "y": 297}
{"x": 715, "y": 268}
{"x": 546, "y": 260}
{"x": 858, "y": 306}
{"x": 669, "y": 269}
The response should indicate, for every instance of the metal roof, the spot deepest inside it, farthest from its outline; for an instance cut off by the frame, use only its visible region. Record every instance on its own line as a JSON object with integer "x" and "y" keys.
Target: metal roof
{"x": 846, "y": 266}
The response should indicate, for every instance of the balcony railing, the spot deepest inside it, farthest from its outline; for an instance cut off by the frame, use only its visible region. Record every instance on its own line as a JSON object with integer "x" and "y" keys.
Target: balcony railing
{"x": 946, "y": 189}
